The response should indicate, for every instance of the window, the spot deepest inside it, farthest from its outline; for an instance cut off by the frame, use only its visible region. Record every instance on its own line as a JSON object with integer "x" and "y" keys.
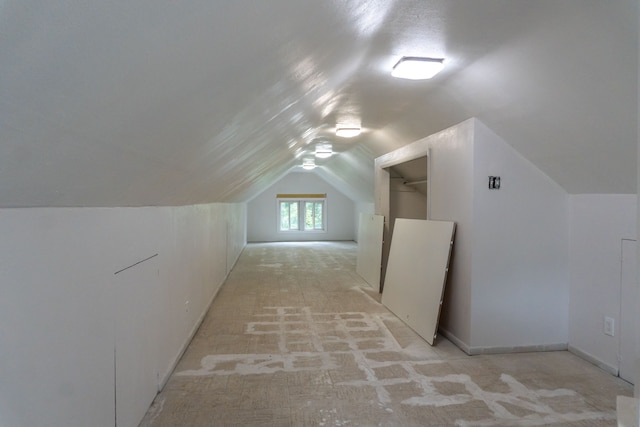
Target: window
{"x": 313, "y": 214}
{"x": 289, "y": 216}
{"x": 301, "y": 212}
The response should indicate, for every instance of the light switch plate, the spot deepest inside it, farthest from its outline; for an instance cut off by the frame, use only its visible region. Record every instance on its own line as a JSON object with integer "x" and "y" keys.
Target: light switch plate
{"x": 609, "y": 326}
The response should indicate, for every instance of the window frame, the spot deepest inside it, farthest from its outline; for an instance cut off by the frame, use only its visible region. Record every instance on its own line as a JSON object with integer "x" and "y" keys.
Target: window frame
{"x": 301, "y": 202}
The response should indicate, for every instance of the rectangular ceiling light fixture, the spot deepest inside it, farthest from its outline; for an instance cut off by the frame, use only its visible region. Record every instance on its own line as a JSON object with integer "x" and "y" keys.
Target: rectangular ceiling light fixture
{"x": 417, "y": 68}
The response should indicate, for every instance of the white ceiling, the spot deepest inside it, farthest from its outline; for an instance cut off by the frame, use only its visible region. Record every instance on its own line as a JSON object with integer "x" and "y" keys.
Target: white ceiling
{"x": 160, "y": 102}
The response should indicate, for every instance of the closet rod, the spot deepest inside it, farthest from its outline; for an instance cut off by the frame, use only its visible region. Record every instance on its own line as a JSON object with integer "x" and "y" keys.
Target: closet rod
{"x": 422, "y": 181}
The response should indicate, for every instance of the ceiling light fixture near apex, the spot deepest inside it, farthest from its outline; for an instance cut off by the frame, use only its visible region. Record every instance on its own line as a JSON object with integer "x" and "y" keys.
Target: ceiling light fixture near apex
{"x": 323, "y": 151}
{"x": 417, "y": 68}
{"x": 348, "y": 132}
{"x": 308, "y": 164}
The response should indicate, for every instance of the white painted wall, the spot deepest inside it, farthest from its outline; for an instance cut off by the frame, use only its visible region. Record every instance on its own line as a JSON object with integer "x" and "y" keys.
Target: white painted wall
{"x": 451, "y": 197}
{"x": 508, "y": 285}
{"x": 636, "y": 390}
{"x": 262, "y": 210}
{"x": 520, "y": 291}
{"x": 61, "y": 300}
{"x": 598, "y": 224}
{"x": 361, "y": 208}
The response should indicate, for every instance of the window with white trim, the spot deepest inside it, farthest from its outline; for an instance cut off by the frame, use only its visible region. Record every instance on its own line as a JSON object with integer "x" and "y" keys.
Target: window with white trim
{"x": 301, "y": 212}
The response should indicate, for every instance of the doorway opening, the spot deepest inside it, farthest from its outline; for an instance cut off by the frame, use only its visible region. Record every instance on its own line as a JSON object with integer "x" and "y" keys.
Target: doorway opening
{"x": 408, "y": 190}
{"x": 402, "y": 191}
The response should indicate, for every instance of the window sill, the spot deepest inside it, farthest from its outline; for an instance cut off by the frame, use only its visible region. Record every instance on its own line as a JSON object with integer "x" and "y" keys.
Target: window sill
{"x": 302, "y": 232}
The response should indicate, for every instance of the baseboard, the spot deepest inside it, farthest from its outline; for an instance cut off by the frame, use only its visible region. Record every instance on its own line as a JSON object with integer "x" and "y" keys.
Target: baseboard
{"x": 455, "y": 340}
{"x": 477, "y": 350}
{"x": 518, "y": 349}
{"x": 613, "y": 370}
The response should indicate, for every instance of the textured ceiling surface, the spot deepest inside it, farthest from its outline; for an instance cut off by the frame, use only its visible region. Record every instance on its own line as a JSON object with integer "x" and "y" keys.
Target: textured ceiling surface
{"x": 158, "y": 102}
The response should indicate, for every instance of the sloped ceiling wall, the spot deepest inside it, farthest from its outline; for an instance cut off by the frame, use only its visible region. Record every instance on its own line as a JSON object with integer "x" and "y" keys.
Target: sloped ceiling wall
{"x": 157, "y": 102}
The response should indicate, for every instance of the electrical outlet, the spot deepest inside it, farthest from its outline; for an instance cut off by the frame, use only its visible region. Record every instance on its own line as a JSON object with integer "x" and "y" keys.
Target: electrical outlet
{"x": 609, "y": 326}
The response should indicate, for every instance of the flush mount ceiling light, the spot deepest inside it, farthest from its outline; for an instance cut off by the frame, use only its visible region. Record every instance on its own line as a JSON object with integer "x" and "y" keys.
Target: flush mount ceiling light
{"x": 417, "y": 68}
{"x": 308, "y": 164}
{"x": 347, "y": 132}
{"x": 323, "y": 151}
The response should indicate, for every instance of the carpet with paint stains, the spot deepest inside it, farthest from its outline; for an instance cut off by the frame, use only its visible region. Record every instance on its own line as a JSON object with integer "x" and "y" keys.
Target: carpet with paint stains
{"x": 296, "y": 338}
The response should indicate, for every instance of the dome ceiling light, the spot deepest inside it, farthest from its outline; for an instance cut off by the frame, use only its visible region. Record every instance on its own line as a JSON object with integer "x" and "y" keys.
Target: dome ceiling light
{"x": 309, "y": 164}
{"x": 323, "y": 151}
{"x": 347, "y": 132}
{"x": 417, "y": 68}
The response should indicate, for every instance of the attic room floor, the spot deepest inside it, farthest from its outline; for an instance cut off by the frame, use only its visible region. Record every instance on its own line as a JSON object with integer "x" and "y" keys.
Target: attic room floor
{"x": 296, "y": 338}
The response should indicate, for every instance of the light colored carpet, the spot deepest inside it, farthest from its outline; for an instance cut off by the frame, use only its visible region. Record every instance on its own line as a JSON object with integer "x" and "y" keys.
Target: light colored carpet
{"x": 296, "y": 338}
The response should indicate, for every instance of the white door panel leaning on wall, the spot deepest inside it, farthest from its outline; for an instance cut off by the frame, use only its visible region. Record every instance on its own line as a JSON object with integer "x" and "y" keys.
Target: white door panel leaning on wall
{"x": 417, "y": 272}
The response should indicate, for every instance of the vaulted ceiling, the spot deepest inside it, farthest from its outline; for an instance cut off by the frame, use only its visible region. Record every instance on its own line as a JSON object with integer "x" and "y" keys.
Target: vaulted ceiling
{"x": 162, "y": 102}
